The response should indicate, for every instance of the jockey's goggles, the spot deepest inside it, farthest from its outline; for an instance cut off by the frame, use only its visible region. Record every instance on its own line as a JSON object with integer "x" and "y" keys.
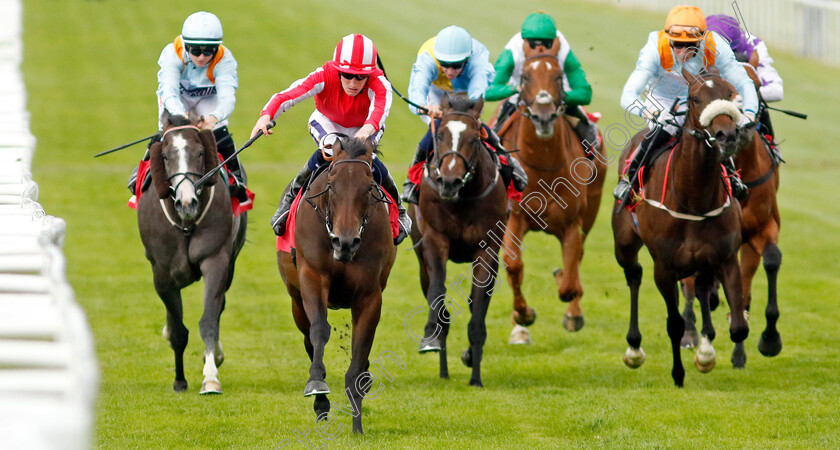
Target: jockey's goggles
{"x": 534, "y": 43}
{"x": 202, "y": 50}
{"x": 684, "y": 44}
{"x": 453, "y": 65}
{"x": 684, "y": 33}
{"x": 350, "y": 76}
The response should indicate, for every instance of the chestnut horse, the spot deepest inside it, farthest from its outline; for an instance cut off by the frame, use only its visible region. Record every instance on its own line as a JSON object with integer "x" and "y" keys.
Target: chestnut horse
{"x": 344, "y": 254}
{"x": 461, "y": 202}
{"x": 759, "y": 168}
{"x": 688, "y": 221}
{"x": 563, "y": 192}
{"x": 189, "y": 234}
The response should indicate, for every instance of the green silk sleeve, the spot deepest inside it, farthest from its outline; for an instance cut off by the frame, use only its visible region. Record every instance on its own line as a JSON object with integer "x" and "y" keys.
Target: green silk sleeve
{"x": 581, "y": 91}
{"x": 499, "y": 89}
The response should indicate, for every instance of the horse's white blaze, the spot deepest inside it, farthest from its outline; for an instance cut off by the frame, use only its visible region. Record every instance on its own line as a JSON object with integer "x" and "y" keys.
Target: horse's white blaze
{"x": 535, "y": 65}
{"x": 710, "y": 83}
{"x": 719, "y": 107}
{"x": 456, "y": 127}
{"x": 548, "y": 65}
{"x": 185, "y": 190}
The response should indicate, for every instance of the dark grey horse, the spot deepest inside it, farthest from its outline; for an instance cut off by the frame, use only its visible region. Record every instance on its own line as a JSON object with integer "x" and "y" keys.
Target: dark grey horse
{"x": 188, "y": 235}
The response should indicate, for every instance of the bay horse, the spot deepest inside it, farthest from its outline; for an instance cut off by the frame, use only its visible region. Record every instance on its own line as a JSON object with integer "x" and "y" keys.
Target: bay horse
{"x": 688, "y": 221}
{"x": 343, "y": 257}
{"x": 564, "y": 189}
{"x": 190, "y": 234}
{"x": 760, "y": 223}
{"x": 461, "y": 202}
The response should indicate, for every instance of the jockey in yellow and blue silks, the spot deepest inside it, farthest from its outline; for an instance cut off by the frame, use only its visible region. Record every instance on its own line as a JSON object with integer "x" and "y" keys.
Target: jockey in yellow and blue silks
{"x": 683, "y": 44}
{"x": 540, "y": 33}
{"x": 197, "y": 79}
{"x": 451, "y": 62}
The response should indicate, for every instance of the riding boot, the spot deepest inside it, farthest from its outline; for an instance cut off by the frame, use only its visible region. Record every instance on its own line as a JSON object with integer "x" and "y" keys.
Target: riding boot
{"x": 739, "y": 189}
{"x": 520, "y": 178}
{"x": 411, "y": 192}
{"x": 405, "y": 222}
{"x": 587, "y": 131}
{"x": 504, "y": 114}
{"x": 651, "y": 142}
{"x": 132, "y": 179}
{"x": 278, "y": 220}
{"x": 226, "y": 147}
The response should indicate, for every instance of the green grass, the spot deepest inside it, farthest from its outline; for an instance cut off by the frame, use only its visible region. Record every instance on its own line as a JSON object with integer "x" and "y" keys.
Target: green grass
{"x": 90, "y": 74}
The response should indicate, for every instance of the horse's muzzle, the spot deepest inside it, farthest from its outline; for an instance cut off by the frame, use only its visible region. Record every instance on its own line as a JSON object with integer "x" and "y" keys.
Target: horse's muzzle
{"x": 344, "y": 248}
{"x": 728, "y": 142}
{"x": 449, "y": 187}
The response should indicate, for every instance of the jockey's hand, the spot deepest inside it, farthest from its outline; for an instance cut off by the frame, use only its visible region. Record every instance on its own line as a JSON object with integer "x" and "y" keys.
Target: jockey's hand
{"x": 746, "y": 119}
{"x": 434, "y": 111}
{"x": 208, "y": 123}
{"x": 365, "y": 132}
{"x": 262, "y": 125}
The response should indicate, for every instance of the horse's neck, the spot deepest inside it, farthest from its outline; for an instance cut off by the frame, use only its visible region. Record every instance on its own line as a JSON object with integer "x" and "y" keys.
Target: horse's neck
{"x": 484, "y": 173}
{"x": 545, "y": 152}
{"x": 695, "y": 175}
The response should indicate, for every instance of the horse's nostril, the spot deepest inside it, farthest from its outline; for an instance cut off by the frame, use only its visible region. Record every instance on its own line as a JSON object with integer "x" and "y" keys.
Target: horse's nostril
{"x": 357, "y": 242}
{"x": 336, "y": 243}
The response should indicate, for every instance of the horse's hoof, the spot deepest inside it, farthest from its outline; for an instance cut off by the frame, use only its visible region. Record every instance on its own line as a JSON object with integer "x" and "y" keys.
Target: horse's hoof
{"x": 739, "y": 356}
{"x": 476, "y": 383}
{"x": 211, "y": 387}
{"x": 690, "y": 339}
{"x": 180, "y": 386}
{"x": 466, "y": 358}
{"x": 528, "y": 320}
{"x": 519, "y": 335}
{"x": 704, "y": 358}
{"x": 315, "y": 387}
{"x": 770, "y": 344}
{"x": 634, "y": 358}
{"x": 572, "y": 324}
{"x": 432, "y": 345}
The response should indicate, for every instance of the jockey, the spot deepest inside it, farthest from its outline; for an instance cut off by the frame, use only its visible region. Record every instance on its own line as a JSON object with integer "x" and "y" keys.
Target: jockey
{"x": 455, "y": 63}
{"x": 683, "y": 44}
{"x": 540, "y": 33}
{"x": 197, "y": 78}
{"x": 352, "y": 97}
{"x": 748, "y": 48}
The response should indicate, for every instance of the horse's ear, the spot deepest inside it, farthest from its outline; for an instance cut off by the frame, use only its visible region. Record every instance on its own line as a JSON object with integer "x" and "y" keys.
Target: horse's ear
{"x": 211, "y": 153}
{"x": 476, "y": 109}
{"x": 158, "y": 170}
{"x": 690, "y": 78}
{"x": 444, "y": 102}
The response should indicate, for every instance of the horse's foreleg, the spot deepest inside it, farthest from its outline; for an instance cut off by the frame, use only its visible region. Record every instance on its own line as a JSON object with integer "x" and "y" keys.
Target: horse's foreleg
{"x": 627, "y": 245}
{"x": 730, "y": 276}
{"x": 770, "y": 343}
{"x": 569, "y": 287}
{"x": 666, "y": 282}
{"x": 437, "y": 325}
{"x": 358, "y": 379}
{"x": 215, "y": 273}
{"x": 314, "y": 291}
{"x": 690, "y": 338}
{"x": 174, "y": 331}
{"x": 484, "y": 281}
{"x": 523, "y": 315}
{"x": 704, "y": 357}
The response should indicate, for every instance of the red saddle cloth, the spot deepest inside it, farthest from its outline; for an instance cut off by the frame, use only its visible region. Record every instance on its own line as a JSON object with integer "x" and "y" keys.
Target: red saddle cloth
{"x": 286, "y": 242}
{"x": 143, "y": 172}
{"x": 415, "y": 175}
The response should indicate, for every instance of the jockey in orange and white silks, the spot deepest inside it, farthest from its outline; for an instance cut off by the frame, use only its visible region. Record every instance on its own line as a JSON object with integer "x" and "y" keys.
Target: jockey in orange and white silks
{"x": 684, "y": 43}
{"x": 197, "y": 73}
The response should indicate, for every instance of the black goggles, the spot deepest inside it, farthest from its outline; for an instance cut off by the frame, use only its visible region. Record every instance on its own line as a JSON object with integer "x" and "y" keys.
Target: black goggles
{"x": 350, "y": 76}
{"x": 202, "y": 50}
{"x": 534, "y": 43}
{"x": 453, "y": 65}
{"x": 681, "y": 44}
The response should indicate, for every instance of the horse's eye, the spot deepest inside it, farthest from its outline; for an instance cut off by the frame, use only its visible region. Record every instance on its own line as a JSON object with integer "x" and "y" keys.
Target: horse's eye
{"x": 694, "y": 100}
{"x": 526, "y": 78}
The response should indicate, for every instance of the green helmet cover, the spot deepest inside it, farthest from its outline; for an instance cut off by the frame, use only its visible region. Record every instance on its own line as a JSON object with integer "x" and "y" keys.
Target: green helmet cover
{"x": 539, "y": 26}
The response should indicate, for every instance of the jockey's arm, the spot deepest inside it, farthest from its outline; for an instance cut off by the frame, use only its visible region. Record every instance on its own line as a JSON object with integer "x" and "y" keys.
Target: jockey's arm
{"x": 480, "y": 71}
{"x": 647, "y": 69}
{"x": 169, "y": 81}
{"x": 732, "y": 71}
{"x": 423, "y": 73}
{"x": 581, "y": 90}
{"x": 772, "y": 87}
{"x": 226, "y": 81}
{"x": 500, "y": 89}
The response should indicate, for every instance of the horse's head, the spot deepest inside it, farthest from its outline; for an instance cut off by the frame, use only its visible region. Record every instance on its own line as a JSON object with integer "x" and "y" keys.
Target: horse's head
{"x": 457, "y": 145}
{"x": 713, "y": 112}
{"x": 184, "y": 154}
{"x": 541, "y": 92}
{"x": 352, "y": 192}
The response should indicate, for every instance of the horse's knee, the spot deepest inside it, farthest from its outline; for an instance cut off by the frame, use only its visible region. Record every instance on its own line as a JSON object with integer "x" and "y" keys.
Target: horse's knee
{"x": 633, "y": 274}
{"x": 772, "y": 258}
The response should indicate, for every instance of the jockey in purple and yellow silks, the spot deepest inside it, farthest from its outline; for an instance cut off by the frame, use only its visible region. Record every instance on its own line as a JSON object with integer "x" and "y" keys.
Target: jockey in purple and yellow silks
{"x": 197, "y": 79}
{"x": 685, "y": 43}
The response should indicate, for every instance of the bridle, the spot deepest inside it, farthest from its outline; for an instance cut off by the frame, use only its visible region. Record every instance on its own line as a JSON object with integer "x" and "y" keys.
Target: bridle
{"x": 186, "y": 175}
{"x": 543, "y": 97}
{"x": 326, "y": 214}
{"x": 186, "y": 230}
{"x": 471, "y": 164}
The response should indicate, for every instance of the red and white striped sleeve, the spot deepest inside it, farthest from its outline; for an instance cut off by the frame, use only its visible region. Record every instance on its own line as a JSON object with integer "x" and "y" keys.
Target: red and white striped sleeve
{"x": 298, "y": 91}
{"x": 381, "y": 98}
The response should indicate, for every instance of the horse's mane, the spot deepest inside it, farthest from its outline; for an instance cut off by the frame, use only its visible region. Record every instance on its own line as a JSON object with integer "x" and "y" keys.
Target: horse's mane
{"x": 179, "y": 121}
{"x": 461, "y": 103}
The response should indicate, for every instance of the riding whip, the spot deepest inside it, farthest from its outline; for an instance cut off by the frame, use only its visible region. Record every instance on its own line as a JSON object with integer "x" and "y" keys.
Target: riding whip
{"x": 123, "y": 146}
{"x": 382, "y": 68}
{"x": 789, "y": 112}
{"x": 247, "y": 144}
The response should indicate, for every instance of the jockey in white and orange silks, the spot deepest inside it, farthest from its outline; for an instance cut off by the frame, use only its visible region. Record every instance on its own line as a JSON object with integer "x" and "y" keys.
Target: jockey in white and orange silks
{"x": 685, "y": 43}
{"x": 352, "y": 97}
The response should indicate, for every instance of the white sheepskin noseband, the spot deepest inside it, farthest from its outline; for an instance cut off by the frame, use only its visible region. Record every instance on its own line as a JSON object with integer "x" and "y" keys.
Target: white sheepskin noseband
{"x": 719, "y": 107}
